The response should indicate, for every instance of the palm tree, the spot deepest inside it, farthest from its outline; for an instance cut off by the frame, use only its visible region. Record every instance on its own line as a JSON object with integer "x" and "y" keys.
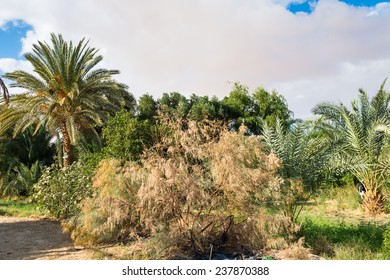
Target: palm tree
{"x": 67, "y": 94}
{"x": 304, "y": 157}
{"x": 360, "y": 138}
{"x": 5, "y": 91}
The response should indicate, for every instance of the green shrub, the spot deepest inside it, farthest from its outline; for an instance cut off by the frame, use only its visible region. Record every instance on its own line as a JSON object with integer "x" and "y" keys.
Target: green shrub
{"x": 59, "y": 191}
{"x": 126, "y": 137}
{"x": 386, "y": 243}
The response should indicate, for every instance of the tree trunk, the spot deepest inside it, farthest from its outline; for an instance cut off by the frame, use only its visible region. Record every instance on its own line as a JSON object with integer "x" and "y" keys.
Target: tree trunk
{"x": 67, "y": 146}
{"x": 5, "y": 91}
{"x": 373, "y": 201}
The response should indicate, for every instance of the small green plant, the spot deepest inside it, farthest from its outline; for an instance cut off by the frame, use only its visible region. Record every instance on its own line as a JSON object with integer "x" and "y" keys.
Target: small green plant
{"x": 386, "y": 243}
{"x": 59, "y": 191}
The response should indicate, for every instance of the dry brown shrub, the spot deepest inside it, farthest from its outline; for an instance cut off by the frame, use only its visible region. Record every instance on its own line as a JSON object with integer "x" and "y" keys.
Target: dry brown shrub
{"x": 203, "y": 188}
{"x": 322, "y": 246}
{"x": 110, "y": 215}
{"x": 295, "y": 251}
{"x": 198, "y": 191}
{"x": 243, "y": 172}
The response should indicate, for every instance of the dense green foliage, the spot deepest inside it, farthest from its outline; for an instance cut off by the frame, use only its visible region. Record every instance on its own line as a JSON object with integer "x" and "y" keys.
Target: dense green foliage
{"x": 126, "y": 137}
{"x": 21, "y": 180}
{"x": 304, "y": 160}
{"x": 304, "y": 155}
{"x": 386, "y": 243}
{"x": 60, "y": 190}
{"x": 241, "y": 107}
{"x": 146, "y": 108}
{"x": 21, "y": 160}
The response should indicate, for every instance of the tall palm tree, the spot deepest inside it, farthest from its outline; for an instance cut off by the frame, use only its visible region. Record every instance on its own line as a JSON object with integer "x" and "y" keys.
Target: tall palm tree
{"x": 66, "y": 93}
{"x": 360, "y": 137}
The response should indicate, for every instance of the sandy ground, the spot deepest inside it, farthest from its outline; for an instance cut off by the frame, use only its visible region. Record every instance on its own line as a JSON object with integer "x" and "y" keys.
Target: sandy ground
{"x": 42, "y": 239}
{"x": 32, "y": 239}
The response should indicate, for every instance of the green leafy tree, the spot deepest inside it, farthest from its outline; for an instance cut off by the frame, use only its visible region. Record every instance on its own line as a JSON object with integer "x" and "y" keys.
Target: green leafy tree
{"x": 202, "y": 108}
{"x": 238, "y": 108}
{"x": 126, "y": 137}
{"x": 360, "y": 137}
{"x": 147, "y": 108}
{"x": 59, "y": 191}
{"x": 66, "y": 93}
{"x": 271, "y": 107}
{"x": 254, "y": 109}
{"x": 174, "y": 104}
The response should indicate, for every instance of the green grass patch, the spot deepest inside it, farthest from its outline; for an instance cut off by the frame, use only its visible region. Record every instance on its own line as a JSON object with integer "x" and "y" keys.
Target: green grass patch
{"x": 340, "y": 240}
{"x": 17, "y": 208}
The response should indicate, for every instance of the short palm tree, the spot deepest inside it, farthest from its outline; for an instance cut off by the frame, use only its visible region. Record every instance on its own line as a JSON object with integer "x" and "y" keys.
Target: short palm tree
{"x": 66, "y": 93}
{"x": 360, "y": 138}
{"x": 304, "y": 157}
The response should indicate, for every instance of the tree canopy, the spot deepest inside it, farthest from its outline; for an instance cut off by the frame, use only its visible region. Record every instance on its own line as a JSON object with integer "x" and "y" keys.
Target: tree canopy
{"x": 67, "y": 92}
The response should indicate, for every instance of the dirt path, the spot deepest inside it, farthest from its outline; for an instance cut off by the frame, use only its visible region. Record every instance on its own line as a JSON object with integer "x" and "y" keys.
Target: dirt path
{"x": 30, "y": 239}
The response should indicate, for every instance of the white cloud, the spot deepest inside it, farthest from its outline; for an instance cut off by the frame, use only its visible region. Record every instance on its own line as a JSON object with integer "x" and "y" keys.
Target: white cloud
{"x": 342, "y": 86}
{"x": 10, "y": 64}
{"x": 199, "y": 46}
{"x": 380, "y": 8}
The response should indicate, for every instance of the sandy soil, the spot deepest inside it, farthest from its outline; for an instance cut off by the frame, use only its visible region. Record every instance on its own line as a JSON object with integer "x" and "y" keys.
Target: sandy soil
{"x": 31, "y": 239}
{"x": 42, "y": 239}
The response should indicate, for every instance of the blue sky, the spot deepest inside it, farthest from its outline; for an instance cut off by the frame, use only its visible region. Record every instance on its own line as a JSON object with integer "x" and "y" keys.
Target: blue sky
{"x": 203, "y": 47}
{"x": 307, "y": 6}
{"x": 11, "y": 35}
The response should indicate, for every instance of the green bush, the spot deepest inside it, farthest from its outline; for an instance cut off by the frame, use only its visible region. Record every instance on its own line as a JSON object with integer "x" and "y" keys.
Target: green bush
{"x": 386, "y": 243}
{"x": 59, "y": 191}
{"x": 126, "y": 137}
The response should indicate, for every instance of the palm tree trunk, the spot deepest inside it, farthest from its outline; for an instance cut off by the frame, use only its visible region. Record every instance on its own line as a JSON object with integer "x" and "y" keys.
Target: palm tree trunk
{"x": 373, "y": 201}
{"x": 5, "y": 91}
{"x": 67, "y": 146}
